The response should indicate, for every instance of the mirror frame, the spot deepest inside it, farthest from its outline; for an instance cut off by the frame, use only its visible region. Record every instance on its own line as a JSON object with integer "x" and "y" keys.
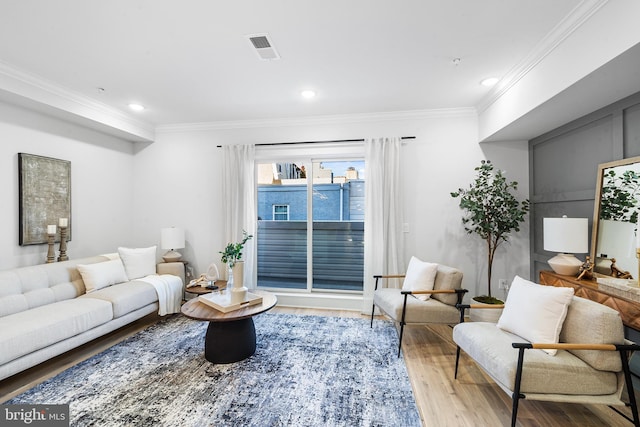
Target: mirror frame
{"x": 598, "y": 201}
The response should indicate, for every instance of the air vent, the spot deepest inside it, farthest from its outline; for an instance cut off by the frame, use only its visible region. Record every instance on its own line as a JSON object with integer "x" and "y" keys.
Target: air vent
{"x": 260, "y": 42}
{"x": 263, "y": 47}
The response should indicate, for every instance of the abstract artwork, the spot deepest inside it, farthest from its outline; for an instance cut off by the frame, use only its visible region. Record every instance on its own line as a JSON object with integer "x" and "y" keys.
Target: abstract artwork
{"x": 45, "y": 196}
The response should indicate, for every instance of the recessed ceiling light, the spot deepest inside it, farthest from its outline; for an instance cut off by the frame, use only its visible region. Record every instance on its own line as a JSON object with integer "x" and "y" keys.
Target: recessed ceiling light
{"x": 489, "y": 81}
{"x": 136, "y": 107}
{"x": 308, "y": 94}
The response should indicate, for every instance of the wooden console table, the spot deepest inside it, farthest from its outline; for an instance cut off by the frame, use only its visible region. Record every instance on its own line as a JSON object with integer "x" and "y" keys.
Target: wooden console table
{"x": 588, "y": 289}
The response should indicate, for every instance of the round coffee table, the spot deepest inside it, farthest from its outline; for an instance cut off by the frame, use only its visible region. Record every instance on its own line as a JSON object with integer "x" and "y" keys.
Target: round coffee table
{"x": 230, "y": 337}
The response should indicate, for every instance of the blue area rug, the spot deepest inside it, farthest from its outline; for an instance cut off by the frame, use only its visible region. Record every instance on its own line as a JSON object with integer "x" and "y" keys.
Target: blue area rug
{"x": 307, "y": 371}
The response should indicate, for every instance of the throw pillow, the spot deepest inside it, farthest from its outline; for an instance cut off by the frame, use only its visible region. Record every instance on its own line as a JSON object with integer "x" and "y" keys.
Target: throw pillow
{"x": 420, "y": 276}
{"x": 102, "y": 274}
{"x": 138, "y": 262}
{"x": 535, "y": 312}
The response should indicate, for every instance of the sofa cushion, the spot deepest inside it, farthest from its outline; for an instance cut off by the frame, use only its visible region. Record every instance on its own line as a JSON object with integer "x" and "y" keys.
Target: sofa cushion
{"x": 391, "y": 301}
{"x": 535, "y": 312}
{"x": 30, "y": 330}
{"x": 102, "y": 274}
{"x": 420, "y": 276}
{"x": 126, "y": 297}
{"x": 447, "y": 278}
{"x": 605, "y": 327}
{"x": 138, "y": 262}
{"x": 563, "y": 373}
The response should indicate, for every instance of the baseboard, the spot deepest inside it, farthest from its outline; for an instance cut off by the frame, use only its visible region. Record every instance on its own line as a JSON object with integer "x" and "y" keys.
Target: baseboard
{"x": 320, "y": 301}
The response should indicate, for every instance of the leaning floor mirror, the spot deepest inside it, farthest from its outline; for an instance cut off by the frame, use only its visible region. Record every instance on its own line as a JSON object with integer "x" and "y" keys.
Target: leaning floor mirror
{"x": 615, "y": 221}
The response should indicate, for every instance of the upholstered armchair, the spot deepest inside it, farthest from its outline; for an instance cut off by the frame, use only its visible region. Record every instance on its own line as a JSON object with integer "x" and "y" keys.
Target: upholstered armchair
{"x": 429, "y": 294}
{"x": 550, "y": 345}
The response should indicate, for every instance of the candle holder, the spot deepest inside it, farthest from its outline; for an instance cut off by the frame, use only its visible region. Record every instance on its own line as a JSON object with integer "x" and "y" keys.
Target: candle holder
{"x": 51, "y": 253}
{"x": 63, "y": 244}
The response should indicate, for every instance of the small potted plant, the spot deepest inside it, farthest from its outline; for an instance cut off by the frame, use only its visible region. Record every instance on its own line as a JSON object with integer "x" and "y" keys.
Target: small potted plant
{"x": 492, "y": 212}
{"x": 233, "y": 252}
{"x": 232, "y": 256}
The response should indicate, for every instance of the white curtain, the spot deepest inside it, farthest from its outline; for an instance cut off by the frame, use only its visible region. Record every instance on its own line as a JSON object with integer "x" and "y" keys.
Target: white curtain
{"x": 239, "y": 199}
{"x": 383, "y": 251}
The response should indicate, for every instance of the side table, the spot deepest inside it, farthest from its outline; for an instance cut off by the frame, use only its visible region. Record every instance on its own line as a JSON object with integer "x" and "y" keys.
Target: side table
{"x": 629, "y": 310}
{"x": 201, "y": 290}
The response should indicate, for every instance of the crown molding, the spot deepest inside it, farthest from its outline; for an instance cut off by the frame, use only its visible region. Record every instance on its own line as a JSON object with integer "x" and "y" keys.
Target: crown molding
{"x": 318, "y": 120}
{"x": 578, "y": 16}
{"x": 95, "y": 114}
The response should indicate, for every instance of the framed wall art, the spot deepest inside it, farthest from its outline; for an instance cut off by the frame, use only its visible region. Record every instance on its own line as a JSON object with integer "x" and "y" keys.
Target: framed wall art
{"x": 45, "y": 196}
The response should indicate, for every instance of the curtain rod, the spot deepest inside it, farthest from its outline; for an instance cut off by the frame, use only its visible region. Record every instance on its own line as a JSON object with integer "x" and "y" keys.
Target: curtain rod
{"x": 318, "y": 142}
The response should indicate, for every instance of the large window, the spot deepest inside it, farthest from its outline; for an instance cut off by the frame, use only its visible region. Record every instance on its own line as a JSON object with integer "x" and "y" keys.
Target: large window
{"x": 314, "y": 237}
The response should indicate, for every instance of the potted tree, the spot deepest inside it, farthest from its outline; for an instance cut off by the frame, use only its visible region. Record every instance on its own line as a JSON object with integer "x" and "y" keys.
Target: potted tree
{"x": 232, "y": 256}
{"x": 492, "y": 212}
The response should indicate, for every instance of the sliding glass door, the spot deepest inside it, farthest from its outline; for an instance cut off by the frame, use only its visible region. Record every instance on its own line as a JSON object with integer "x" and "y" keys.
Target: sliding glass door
{"x": 338, "y": 225}
{"x": 311, "y": 225}
{"x": 282, "y": 225}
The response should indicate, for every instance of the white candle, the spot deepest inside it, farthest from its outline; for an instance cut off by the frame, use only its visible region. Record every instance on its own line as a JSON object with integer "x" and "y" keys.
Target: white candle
{"x": 64, "y": 222}
{"x": 51, "y": 229}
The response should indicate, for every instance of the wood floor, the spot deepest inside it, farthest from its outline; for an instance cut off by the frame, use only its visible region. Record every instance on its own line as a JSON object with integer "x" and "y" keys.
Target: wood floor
{"x": 471, "y": 400}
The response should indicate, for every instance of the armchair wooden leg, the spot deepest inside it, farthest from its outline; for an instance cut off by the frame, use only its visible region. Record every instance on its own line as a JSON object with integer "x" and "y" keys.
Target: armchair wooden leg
{"x": 516, "y": 390}
{"x": 630, "y": 390}
{"x": 455, "y": 375}
{"x": 400, "y": 340}
{"x": 373, "y": 309}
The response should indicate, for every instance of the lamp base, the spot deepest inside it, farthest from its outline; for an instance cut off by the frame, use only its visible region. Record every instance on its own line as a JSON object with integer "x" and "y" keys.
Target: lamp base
{"x": 172, "y": 256}
{"x": 566, "y": 264}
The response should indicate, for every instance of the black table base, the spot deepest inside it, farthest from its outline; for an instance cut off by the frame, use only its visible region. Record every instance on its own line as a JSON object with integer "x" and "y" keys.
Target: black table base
{"x": 228, "y": 342}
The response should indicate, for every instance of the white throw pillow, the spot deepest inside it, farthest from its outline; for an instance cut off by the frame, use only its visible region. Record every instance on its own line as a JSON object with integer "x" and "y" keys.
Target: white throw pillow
{"x": 420, "y": 276}
{"x": 102, "y": 274}
{"x": 535, "y": 312}
{"x": 138, "y": 262}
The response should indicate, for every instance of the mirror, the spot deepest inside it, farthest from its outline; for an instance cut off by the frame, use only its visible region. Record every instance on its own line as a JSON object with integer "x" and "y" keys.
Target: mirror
{"x": 615, "y": 219}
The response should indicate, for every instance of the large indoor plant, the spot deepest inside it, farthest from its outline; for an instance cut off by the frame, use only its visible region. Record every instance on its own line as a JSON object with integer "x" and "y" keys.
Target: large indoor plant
{"x": 492, "y": 212}
{"x": 620, "y": 194}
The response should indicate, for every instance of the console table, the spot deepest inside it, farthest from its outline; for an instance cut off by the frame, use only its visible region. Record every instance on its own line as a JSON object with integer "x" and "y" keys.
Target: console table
{"x": 589, "y": 289}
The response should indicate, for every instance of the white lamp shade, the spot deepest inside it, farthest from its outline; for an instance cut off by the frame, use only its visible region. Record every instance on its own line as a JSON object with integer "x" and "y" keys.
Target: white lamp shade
{"x": 172, "y": 238}
{"x": 567, "y": 235}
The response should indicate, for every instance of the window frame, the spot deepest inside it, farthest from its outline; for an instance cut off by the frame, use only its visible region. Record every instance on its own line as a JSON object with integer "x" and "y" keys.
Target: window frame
{"x": 274, "y": 213}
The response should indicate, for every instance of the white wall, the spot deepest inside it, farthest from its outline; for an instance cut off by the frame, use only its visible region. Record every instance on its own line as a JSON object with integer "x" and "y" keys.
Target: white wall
{"x": 101, "y": 176}
{"x": 123, "y": 194}
{"x": 178, "y": 182}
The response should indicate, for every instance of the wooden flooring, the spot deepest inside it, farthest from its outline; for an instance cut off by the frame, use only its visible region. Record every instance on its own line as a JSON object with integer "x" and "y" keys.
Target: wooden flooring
{"x": 471, "y": 400}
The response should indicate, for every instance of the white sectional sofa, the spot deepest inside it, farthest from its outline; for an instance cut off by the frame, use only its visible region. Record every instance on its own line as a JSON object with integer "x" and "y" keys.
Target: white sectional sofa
{"x": 45, "y": 310}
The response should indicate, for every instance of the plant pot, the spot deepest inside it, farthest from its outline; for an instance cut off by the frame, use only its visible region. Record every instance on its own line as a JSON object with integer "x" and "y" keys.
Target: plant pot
{"x": 490, "y": 315}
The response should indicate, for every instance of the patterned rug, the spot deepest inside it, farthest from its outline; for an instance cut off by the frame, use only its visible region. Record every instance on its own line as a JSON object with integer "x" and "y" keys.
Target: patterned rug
{"x": 307, "y": 371}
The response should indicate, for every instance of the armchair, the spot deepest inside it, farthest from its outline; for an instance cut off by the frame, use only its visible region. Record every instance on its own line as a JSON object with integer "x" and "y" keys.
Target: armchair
{"x": 584, "y": 369}
{"x": 404, "y": 308}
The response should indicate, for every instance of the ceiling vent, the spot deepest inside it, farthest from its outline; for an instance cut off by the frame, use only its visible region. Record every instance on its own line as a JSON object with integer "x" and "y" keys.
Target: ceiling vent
{"x": 263, "y": 47}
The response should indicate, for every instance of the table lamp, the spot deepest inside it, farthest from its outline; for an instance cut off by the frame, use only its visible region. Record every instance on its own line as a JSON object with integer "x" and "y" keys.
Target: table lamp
{"x": 172, "y": 238}
{"x": 567, "y": 236}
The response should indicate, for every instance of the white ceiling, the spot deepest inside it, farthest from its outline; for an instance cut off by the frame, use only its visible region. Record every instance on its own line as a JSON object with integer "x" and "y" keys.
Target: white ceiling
{"x": 188, "y": 61}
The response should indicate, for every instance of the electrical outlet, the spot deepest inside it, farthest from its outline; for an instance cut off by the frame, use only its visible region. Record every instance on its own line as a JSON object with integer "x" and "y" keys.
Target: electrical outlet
{"x": 502, "y": 284}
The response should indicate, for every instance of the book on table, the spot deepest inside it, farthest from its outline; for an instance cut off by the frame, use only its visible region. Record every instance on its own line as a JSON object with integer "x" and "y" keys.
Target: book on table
{"x": 222, "y": 301}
